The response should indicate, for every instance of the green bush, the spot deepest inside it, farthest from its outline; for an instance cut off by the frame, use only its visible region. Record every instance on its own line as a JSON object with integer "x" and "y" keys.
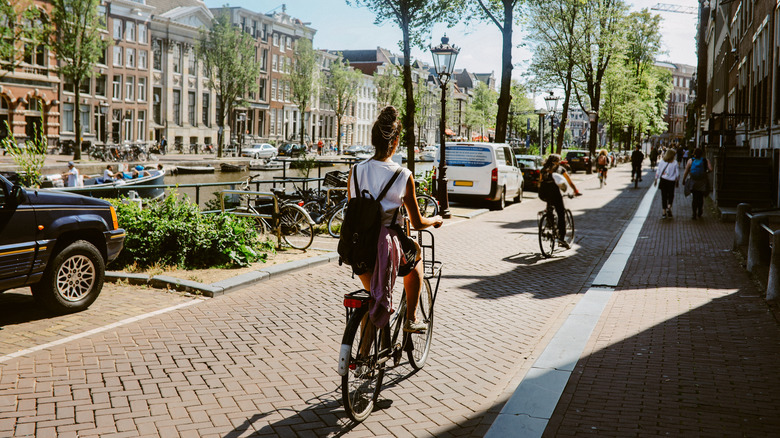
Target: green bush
{"x": 174, "y": 232}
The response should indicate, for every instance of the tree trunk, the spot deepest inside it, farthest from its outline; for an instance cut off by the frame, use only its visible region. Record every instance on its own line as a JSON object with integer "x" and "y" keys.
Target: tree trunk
{"x": 564, "y": 111}
{"x": 77, "y": 119}
{"x": 303, "y": 126}
{"x": 408, "y": 89}
{"x": 338, "y": 133}
{"x": 505, "y": 96}
{"x": 221, "y": 124}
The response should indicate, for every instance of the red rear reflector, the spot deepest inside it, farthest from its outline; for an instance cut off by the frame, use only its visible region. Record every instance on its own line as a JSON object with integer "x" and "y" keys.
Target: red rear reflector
{"x": 352, "y": 303}
{"x": 300, "y": 203}
{"x": 352, "y": 366}
{"x": 494, "y": 174}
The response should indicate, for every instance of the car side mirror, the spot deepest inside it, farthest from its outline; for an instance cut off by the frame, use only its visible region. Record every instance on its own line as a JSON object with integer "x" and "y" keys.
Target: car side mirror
{"x": 18, "y": 195}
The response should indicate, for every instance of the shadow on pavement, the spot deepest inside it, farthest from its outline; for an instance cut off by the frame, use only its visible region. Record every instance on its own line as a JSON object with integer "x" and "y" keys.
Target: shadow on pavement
{"x": 19, "y": 307}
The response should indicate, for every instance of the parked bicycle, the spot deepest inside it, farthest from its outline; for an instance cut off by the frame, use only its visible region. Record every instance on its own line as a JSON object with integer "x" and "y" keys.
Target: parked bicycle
{"x": 548, "y": 229}
{"x": 367, "y": 351}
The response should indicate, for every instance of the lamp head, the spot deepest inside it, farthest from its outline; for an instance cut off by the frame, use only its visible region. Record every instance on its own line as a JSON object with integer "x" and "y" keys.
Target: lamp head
{"x": 444, "y": 56}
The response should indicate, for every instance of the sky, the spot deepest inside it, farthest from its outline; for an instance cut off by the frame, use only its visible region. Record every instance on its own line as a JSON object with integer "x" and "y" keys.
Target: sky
{"x": 343, "y": 27}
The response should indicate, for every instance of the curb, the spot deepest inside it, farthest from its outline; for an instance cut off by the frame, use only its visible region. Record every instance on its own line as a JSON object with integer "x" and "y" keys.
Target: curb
{"x": 223, "y": 286}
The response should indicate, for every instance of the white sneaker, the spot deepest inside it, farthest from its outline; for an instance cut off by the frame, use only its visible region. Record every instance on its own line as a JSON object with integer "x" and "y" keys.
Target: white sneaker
{"x": 563, "y": 244}
{"x": 415, "y": 326}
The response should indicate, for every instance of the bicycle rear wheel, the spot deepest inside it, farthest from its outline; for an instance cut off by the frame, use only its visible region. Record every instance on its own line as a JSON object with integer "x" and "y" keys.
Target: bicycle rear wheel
{"x": 569, "y": 227}
{"x": 420, "y": 343}
{"x": 361, "y": 384}
{"x": 547, "y": 234}
{"x": 295, "y": 227}
{"x": 428, "y": 205}
{"x": 257, "y": 222}
{"x": 335, "y": 221}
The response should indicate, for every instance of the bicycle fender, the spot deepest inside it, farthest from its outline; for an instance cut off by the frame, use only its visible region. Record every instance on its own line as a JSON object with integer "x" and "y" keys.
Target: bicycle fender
{"x": 344, "y": 354}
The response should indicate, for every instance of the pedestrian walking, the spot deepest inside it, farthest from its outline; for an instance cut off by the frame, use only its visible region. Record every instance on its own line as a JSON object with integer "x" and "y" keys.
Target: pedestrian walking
{"x": 685, "y": 157}
{"x": 679, "y": 155}
{"x": 669, "y": 174}
{"x": 319, "y": 147}
{"x": 698, "y": 184}
{"x": 163, "y": 145}
{"x": 636, "y": 163}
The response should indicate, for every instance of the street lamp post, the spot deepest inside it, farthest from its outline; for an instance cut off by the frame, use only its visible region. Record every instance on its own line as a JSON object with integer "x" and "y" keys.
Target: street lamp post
{"x": 444, "y": 56}
{"x": 541, "y": 112}
{"x": 551, "y": 101}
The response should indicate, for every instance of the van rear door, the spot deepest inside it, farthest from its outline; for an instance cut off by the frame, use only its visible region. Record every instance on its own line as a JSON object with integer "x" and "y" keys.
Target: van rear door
{"x": 468, "y": 169}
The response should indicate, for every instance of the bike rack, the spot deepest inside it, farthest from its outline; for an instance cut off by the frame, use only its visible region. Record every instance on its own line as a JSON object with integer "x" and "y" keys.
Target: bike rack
{"x": 274, "y": 216}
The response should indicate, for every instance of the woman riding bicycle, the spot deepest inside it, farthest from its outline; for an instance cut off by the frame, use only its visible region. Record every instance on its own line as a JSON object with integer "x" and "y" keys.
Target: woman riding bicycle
{"x": 602, "y": 163}
{"x": 372, "y": 175}
{"x": 552, "y": 192}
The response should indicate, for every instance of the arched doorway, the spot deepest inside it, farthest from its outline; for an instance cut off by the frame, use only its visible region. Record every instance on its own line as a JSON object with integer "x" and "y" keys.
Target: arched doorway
{"x": 34, "y": 120}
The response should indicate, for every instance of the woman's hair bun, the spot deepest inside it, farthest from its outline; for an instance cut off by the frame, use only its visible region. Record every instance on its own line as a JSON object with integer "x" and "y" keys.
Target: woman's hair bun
{"x": 388, "y": 115}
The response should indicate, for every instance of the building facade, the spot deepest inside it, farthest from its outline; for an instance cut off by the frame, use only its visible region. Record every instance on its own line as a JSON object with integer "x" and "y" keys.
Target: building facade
{"x": 676, "y": 114}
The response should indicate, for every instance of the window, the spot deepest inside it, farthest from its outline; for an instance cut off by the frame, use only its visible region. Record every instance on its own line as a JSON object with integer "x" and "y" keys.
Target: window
{"x": 67, "y": 117}
{"x": 276, "y": 39}
{"x": 286, "y": 92}
{"x": 177, "y": 58}
{"x": 273, "y": 89}
{"x": 103, "y": 56}
{"x": 177, "y": 107}
{"x": 117, "y": 91}
{"x": 142, "y": 61}
{"x": 101, "y": 15}
{"x": 129, "y": 88}
{"x": 68, "y": 86}
{"x": 264, "y": 60}
{"x": 130, "y": 56}
{"x": 192, "y": 64}
{"x": 261, "y": 90}
{"x": 157, "y": 105}
{"x": 116, "y": 117}
{"x": 128, "y": 125}
{"x": 84, "y": 110}
{"x": 272, "y": 122}
{"x": 288, "y": 65}
{"x": 191, "y": 108}
{"x": 100, "y": 86}
{"x": 289, "y": 42}
{"x": 117, "y": 55}
{"x": 205, "y": 109}
{"x": 265, "y": 32}
{"x": 274, "y": 60}
{"x": 141, "y": 125}
{"x": 142, "y": 89}
{"x": 117, "y": 29}
{"x": 85, "y": 86}
{"x": 130, "y": 31}
{"x": 141, "y": 33}
{"x": 157, "y": 54}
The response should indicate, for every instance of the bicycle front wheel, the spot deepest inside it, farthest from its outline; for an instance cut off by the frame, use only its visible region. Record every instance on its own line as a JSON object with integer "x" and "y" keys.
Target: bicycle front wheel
{"x": 547, "y": 235}
{"x": 420, "y": 343}
{"x": 361, "y": 384}
{"x": 569, "y": 227}
{"x": 295, "y": 227}
{"x": 335, "y": 221}
{"x": 428, "y": 205}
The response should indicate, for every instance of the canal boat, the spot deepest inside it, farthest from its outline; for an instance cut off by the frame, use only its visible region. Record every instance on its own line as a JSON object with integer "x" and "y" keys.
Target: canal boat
{"x": 95, "y": 187}
{"x": 267, "y": 164}
{"x": 231, "y": 167}
{"x": 191, "y": 170}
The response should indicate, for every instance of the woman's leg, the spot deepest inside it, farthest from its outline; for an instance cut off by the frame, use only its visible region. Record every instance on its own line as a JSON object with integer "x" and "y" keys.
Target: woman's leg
{"x": 412, "y": 283}
{"x": 560, "y": 210}
{"x": 664, "y": 194}
{"x": 698, "y": 203}
{"x": 365, "y": 278}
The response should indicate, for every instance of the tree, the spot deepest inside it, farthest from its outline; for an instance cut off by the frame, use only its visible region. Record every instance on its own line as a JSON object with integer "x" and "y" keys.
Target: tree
{"x": 501, "y": 13}
{"x": 557, "y": 31}
{"x": 481, "y": 112}
{"x": 603, "y": 29}
{"x": 520, "y": 106}
{"x": 75, "y": 38}
{"x": 340, "y": 90}
{"x": 423, "y": 102}
{"x": 228, "y": 55}
{"x": 415, "y": 19}
{"x": 22, "y": 33}
{"x": 302, "y": 78}
{"x": 389, "y": 87}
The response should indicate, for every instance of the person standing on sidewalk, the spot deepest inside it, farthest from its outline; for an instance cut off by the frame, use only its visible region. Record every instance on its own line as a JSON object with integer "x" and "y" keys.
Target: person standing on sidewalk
{"x": 636, "y": 163}
{"x": 698, "y": 168}
{"x": 669, "y": 174}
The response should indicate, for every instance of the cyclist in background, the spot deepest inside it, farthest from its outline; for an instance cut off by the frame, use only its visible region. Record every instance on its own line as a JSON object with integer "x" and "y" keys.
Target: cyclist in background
{"x": 602, "y": 164}
{"x": 636, "y": 163}
{"x": 552, "y": 192}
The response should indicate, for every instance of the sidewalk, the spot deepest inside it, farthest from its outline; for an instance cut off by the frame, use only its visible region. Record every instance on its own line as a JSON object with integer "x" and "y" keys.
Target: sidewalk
{"x": 685, "y": 344}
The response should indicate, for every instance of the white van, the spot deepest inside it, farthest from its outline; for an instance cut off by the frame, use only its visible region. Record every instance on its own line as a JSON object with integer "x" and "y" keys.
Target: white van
{"x": 482, "y": 171}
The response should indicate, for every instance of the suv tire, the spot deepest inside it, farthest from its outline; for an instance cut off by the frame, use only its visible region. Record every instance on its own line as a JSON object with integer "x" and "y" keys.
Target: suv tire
{"x": 73, "y": 278}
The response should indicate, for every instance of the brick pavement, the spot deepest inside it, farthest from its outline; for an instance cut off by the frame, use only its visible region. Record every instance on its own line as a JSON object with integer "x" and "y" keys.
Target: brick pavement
{"x": 261, "y": 361}
{"x": 686, "y": 346}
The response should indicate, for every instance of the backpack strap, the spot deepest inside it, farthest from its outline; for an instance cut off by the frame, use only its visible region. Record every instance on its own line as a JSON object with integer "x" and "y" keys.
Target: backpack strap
{"x": 389, "y": 184}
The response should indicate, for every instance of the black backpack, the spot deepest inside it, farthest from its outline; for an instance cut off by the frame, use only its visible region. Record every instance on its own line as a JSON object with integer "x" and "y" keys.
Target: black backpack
{"x": 361, "y": 226}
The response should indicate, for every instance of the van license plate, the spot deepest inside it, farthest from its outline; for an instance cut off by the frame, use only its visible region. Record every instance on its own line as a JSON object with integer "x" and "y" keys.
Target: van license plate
{"x": 464, "y": 183}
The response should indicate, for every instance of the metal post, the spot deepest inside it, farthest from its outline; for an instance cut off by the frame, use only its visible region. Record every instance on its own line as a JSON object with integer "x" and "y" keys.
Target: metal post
{"x": 756, "y": 242}
{"x": 444, "y": 205}
{"x": 741, "y": 226}
{"x": 773, "y": 282}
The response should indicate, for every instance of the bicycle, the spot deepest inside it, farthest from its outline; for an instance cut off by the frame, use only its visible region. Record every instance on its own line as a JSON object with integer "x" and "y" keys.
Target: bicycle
{"x": 602, "y": 176}
{"x": 366, "y": 351}
{"x": 548, "y": 229}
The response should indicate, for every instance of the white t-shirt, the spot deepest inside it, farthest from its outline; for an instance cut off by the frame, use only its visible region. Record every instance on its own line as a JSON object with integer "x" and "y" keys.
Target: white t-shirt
{"x": 372, "y": 175}
{"x": 107, "y": 175}
{"x": 73, "y": 177}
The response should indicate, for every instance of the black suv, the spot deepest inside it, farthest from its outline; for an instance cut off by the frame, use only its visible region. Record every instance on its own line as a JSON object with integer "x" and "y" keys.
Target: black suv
{"x": 292, "y": 150}
{"x": 57, "y": 243}
{"x": 577, "y": 160}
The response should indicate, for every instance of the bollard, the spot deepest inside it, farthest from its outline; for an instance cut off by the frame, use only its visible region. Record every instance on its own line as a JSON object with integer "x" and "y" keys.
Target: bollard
{"x": 773, "y": 284}
{"x": 756, "y": 241}
{"x": 741, "y": 226}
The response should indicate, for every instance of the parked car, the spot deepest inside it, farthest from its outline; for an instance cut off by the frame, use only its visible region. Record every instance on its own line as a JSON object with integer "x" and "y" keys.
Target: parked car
{"x": 57, "y": 243}
{"x": 531, "y": 165}
{"x": 354, "y": 149}
{"x": 577, "y": 160}
{"x": 292, "y": 150}
{"x": 261, "y": 150}
{"x": 482, "y": 171}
